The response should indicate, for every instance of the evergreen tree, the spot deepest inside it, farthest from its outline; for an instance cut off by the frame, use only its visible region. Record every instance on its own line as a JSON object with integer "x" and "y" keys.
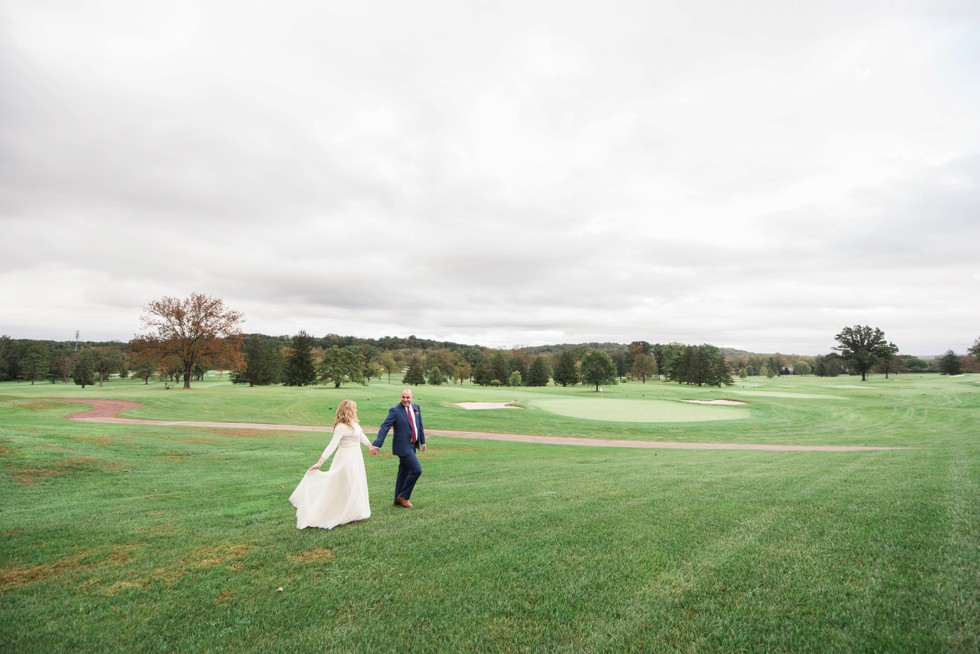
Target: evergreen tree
{"x": 538, "y": 374}
{"x": 499, "y": 368}
{"x": 34, "y": 361}
{"x": 682, "y": 364}
{"x": 300, "y": 369}
{"x": 84, "y": 374}
{"x": 565, "y": 370}
{"x": 6, "y": 358}
{"x": 949, "y": 364}
{"x": 263, "y": 361}
{"x": 701, "y": 365}
{"x": 415, "y": 375}
{"x": 721, "y": 373}
{"x": 668, "y": 357}
{"x": 515, "y": 379}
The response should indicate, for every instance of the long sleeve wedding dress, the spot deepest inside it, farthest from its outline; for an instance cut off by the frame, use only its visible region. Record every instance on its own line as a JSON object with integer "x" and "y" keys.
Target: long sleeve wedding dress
{"x": 339, "y": 495}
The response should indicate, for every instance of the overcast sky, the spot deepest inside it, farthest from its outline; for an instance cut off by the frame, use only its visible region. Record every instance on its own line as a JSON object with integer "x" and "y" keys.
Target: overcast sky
{"x": 747, "y": 174}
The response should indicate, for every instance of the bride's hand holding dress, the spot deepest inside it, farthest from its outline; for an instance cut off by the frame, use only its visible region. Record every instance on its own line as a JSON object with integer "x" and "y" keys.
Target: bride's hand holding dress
{"x": 339, "y": 495}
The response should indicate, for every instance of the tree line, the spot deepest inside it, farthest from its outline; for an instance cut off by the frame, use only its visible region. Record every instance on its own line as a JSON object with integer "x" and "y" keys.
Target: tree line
{"x": 184, "y": 338}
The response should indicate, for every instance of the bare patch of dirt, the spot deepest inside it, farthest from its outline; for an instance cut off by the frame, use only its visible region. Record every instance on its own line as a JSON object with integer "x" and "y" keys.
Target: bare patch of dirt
{"x": 317, "y": 555}
{"x": 169, "y": 575}
{"x": 121, "y": 555}
{"x": 226, "y": 554}
{"x": 17, "y": 576}
{"x": 206, "y": 557}
{"x": 31, "y": 476}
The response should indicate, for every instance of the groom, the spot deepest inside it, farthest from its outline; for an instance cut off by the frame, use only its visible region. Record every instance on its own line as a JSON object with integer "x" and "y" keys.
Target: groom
{"x": 406, "y": 418}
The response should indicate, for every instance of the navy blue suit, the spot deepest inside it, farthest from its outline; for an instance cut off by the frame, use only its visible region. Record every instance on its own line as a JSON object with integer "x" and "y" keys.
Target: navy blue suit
{"x": 409, "y": 468}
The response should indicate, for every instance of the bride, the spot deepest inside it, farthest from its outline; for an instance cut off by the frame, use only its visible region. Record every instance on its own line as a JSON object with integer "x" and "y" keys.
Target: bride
{"x": 340, "y": 495}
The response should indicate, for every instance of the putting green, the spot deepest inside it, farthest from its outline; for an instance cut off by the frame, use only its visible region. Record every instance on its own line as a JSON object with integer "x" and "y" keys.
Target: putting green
{"x": 640, "y": 410}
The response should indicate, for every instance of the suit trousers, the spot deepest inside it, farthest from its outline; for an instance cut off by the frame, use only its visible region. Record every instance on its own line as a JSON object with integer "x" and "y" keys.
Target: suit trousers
{"x": 409, "y": 471}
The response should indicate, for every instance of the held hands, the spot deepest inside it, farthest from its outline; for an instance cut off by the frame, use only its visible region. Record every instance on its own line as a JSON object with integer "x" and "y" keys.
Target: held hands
{"x": 374, "y": 450}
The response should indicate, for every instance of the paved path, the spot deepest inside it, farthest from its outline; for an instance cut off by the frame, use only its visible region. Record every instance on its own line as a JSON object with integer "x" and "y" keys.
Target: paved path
{"x": 107, "y": 411}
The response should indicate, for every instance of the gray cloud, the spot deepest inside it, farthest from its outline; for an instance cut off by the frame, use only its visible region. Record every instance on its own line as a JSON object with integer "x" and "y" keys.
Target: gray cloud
{"x": 755, "y": 176}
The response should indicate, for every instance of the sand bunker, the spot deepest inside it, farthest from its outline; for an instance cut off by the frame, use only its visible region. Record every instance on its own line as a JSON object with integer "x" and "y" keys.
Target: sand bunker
{"x": 722, "y": 402}
{"x": 794, "y": 396}
{"x": 486, "y": 405}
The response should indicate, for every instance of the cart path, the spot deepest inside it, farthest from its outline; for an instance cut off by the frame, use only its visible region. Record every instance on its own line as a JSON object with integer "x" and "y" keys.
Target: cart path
{"x": 107, "y": 411}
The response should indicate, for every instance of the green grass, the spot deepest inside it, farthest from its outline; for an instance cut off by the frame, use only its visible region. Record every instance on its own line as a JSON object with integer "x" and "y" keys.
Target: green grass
{"x": 618, "y": 410}
{"x": 157, "y": 538}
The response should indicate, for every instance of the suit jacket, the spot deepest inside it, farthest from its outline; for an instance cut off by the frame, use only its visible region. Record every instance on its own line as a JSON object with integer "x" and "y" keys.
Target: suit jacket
{"x": 401, "y": 443}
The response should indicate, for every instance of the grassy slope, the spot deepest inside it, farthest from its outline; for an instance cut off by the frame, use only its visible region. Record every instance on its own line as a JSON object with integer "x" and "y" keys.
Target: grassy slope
{"x": 152, "y": 538}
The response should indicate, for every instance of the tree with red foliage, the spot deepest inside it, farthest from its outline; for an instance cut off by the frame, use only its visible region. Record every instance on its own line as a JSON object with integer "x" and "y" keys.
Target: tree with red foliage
{"x": 195, "y": 331}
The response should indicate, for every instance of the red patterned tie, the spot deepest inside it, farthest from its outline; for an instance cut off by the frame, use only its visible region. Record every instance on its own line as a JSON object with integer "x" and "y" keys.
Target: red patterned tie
{"x": 411, "y": 419}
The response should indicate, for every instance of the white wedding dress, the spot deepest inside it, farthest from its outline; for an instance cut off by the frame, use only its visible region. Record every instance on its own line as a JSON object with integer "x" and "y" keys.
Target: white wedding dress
{"x": 340, "y": 495}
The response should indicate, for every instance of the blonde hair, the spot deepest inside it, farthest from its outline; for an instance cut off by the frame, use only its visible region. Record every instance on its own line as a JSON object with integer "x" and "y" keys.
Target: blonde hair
{"x": 346, "y": 413}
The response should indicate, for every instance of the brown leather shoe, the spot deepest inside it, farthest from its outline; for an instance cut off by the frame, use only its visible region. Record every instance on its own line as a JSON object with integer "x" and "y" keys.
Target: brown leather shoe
{"x": 401, "y": 501}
